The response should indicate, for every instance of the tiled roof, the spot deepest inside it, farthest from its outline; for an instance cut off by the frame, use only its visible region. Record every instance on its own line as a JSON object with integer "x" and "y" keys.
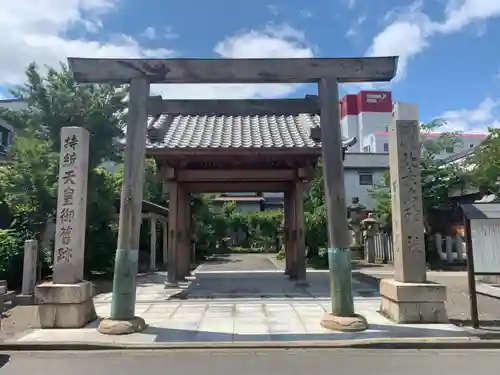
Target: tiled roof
{"x": 167, "y": 131}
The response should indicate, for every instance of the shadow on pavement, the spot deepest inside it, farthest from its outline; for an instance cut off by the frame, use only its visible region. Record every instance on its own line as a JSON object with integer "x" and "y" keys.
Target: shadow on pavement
{"x": 220, "y": 259}
{"x": 374, "y": 331}
{"x": 4, "y": 359}
{"x": 142, "y": 280}
{"x": 264, "y": 285}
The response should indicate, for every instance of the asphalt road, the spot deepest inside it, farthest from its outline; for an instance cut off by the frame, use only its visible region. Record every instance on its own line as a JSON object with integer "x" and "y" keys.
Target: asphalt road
{"x": 250, "y": 362}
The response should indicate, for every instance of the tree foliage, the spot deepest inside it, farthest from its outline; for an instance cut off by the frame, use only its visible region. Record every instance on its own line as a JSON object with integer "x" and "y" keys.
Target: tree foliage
{"x": 484, "y": 164}
{"x": 29, "y": 177}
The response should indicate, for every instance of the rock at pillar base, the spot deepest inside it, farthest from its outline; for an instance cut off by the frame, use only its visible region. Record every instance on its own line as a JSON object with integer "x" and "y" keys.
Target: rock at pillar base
{"x": 412, "y": 303}
{"x": 355, "y": 323}
{"x": 65, "y": 305}
{"x": 122, "y": 327}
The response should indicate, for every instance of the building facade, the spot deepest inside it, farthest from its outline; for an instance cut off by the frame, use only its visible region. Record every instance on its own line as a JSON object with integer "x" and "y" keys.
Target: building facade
{"x": 366, "y": 116}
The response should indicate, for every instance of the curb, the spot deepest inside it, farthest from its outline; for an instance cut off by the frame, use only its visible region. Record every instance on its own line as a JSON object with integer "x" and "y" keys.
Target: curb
{"x": 417, "y": 343}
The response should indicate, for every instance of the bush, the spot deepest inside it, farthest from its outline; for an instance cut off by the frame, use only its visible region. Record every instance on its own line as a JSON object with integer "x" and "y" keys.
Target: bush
{"x": 10, "y": 255}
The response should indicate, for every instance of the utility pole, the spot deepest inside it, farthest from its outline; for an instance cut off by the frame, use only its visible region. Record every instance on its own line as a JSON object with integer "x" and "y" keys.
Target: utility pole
{"x": 122, "y": 319}
{"x": 342, "y": 317}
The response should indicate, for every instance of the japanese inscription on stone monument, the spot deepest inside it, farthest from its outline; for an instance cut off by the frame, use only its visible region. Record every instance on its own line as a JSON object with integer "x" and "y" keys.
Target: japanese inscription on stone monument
{"x": 407, "y": 214}
{"x": 71, "y": 206}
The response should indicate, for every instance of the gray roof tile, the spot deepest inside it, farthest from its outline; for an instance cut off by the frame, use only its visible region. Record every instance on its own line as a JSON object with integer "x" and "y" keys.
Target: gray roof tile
{"x": 167, "y": 131}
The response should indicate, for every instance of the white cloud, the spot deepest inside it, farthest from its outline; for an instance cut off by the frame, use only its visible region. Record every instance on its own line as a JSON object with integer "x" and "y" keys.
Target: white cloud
{"x": 486, "y": 114}
{"x": 168, "y": 33}
{"x": 305, "y": 13}
{"x": 354, "y": 29}
{"x": 351, "y": 4}
{"x": 270, "y": 42}
{"x": 38, "y": 31}
{"x": 460, "y": 13}
{"x": 273, "y": 9}
{"x": 410, "y": 30}
{"x": 149, "y": 33}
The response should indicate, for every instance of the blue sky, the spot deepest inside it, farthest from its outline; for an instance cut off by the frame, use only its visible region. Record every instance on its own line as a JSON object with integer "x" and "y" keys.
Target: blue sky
{"x": 449, "y": 62}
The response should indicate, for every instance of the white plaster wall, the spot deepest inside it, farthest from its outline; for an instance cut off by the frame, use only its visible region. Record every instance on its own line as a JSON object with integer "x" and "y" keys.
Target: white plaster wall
{"x": 349, "y": 125}
{"x": 372, "y": 122}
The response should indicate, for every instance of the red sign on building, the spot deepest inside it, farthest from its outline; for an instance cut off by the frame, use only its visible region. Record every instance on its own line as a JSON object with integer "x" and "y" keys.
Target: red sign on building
{"x": 374, "y": 101}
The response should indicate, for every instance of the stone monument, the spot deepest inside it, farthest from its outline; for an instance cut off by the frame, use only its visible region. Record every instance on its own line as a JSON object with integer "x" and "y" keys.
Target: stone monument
{"x": 370, "y": 227}
{"x": 354, "y": 215}
{"x": 67, "y": 302}
{"x": 29, "y": 273}
{"x": 409, "y": 298}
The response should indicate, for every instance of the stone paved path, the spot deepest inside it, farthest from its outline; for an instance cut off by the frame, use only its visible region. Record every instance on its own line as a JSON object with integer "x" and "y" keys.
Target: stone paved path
{"x": 239, "y": 285}
{"x": 264, "y": 284}
{"x": 237, "y": 320}
{"x": 239, "y": 262}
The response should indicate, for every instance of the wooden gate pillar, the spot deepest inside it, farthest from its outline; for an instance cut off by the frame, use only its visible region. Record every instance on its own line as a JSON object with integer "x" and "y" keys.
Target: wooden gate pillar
{"x": 292, "y": 230}
{"x": 152, "y": 243}
{"x": 185, "y": 235}
{"x": 300, "y": 246}
{"x": 182, "y": 262}
{"x": 287, "y": 211}
{"x": 173, "y": 208}
{"x": 164, "y": 238}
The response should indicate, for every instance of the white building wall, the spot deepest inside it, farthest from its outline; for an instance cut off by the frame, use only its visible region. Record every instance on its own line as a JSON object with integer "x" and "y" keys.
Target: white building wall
{"x": 350, "y": 128}
{"x": 373, "y": 122}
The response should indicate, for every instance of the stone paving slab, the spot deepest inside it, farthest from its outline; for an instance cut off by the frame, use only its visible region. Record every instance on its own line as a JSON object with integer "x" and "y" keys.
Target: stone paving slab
{"x": 238, "y": 285}
{"x": 263, "y": 284}
{"x": 240, "y": 321}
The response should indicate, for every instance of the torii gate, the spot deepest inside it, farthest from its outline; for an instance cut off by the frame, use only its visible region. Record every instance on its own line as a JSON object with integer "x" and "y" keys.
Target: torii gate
{"x": 140, "y": 73}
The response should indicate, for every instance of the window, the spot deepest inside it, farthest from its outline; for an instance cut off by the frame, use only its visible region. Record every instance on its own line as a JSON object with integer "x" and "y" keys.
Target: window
{"x": 366, "y": 149}
{"x": 386, "y": 147}
{"x": 471, "y": 145}
{"x": 386, "y": 128}
{"x": 449, "y": 150}
{"x": 365, "y": 179}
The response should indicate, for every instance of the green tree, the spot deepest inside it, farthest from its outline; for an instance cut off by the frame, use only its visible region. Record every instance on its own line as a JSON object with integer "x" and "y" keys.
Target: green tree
{"x": 55, "y": 100}
{"x": 484, "y": 164}
{"x": 28, "y": 180}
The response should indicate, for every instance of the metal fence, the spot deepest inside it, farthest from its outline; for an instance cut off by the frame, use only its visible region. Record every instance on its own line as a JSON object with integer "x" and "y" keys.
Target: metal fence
{"x": 451, "y": 249}
{"x": 384, "y": 250}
